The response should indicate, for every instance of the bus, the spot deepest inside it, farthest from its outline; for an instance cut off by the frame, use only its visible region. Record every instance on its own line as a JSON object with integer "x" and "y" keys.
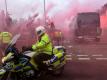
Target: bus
{"x": 86, "y": 26}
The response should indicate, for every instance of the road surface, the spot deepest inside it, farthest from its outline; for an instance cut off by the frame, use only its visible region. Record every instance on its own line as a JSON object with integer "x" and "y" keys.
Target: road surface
{"x": 86, "y": 61}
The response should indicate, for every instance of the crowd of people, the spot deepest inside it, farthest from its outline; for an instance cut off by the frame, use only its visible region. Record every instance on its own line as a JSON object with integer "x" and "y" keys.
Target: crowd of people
{"x": 26, "y": 28}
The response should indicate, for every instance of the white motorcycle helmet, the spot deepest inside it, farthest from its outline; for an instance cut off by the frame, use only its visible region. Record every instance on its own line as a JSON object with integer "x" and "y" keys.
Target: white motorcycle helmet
{"x": 40, "y": 30}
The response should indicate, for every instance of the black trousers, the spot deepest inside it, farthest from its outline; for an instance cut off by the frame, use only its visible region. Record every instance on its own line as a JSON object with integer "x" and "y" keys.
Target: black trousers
{"x": 40, "y": 58}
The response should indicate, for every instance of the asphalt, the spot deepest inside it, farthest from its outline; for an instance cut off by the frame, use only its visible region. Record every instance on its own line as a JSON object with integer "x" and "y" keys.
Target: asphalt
{"x": 85, "y": 62}
{"x": 83, "y": 70}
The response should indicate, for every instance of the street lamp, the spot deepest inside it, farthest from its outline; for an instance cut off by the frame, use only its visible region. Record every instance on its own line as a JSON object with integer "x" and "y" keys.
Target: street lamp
{"x": 6, "y": 6}
{"x": 45, "y": 12}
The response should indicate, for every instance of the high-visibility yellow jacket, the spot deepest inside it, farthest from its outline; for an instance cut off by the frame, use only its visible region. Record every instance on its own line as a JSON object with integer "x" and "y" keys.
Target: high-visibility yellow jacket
{"x": 5, "y": 37}
{"x": 44, "y": 45}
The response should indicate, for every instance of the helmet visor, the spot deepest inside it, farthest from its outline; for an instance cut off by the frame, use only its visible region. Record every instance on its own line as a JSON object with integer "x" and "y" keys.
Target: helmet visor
{"x": 39, "y": 32}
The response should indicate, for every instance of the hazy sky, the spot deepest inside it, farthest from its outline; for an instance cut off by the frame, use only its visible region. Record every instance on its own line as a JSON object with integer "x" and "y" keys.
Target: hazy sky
{"x": 24, "y": 8}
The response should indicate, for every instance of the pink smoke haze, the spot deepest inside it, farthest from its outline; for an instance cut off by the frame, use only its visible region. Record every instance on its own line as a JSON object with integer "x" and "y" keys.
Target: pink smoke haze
{"x": 49, "y": 8}
{"x": 104, "y": 21}
{"x": 61, "y": 17}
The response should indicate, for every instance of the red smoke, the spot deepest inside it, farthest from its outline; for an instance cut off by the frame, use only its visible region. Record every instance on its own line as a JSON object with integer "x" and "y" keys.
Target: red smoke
{"x": 2, "y": 20}
{"x": 49, "y": 7}
{"x": 104, "y": 21}
{"x": 61, "y": 18}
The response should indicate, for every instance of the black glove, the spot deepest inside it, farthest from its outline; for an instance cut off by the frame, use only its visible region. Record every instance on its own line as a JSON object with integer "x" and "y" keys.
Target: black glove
{"x": 26, "y": 49}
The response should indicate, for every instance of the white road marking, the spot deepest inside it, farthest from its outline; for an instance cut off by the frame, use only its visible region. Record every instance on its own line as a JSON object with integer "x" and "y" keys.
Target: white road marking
{"x": 68, "y": 59}
{"x": 68, "y": 55}
{"x": 70, "y": 46}
{"x": 84, "y": 59}
{"x": 101, "y": 58}
{"x": 82, "y": 55}
{"x": 97, "y": 55}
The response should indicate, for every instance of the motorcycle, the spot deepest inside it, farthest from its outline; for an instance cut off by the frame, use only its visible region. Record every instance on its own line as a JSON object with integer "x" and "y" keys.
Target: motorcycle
{"x": 21, "y": 65}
